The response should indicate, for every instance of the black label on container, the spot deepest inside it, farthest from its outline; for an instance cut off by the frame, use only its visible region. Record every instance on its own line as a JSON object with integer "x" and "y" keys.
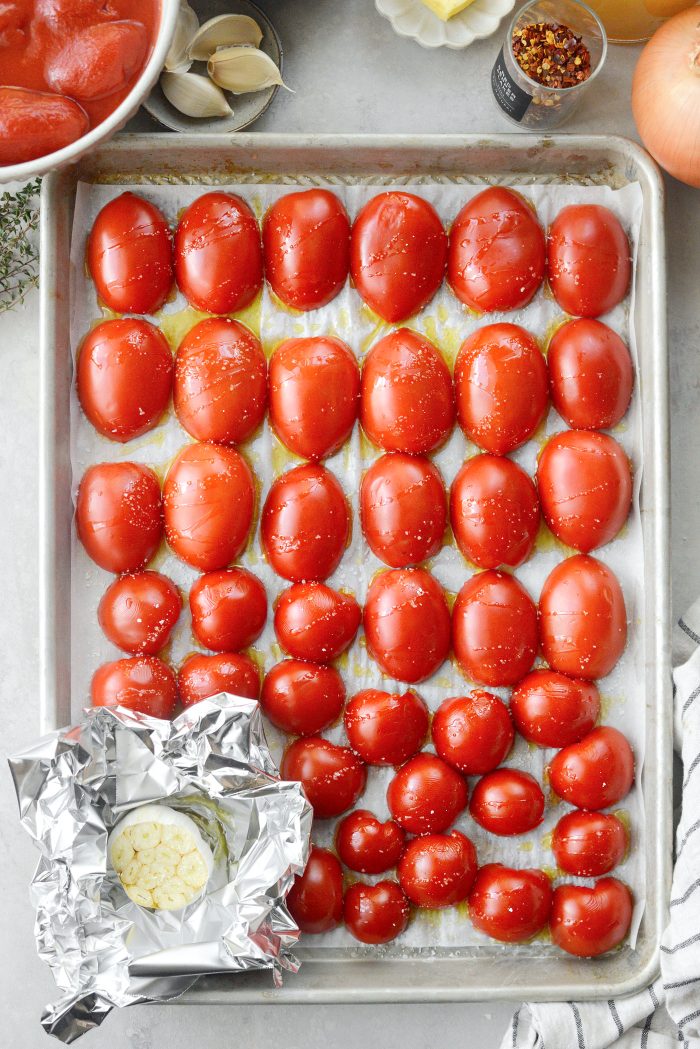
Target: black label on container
{"x": 509, "y": 95}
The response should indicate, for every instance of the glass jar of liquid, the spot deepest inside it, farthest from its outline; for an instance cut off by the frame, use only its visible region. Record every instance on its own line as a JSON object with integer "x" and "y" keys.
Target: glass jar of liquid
{"x": 633, "y": 21}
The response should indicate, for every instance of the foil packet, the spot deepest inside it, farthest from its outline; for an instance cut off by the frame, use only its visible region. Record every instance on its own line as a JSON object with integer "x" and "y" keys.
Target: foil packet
{"x": 212, "y": 762}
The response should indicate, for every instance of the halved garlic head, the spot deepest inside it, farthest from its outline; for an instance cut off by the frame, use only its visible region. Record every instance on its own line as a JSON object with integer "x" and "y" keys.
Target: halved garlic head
{"x": 161, "y": 858}
{"x": 223, "y": 31}
{"x": 186, "y": 27}
{"x": 194, "y": 95}
{"x": 243, "y": 69}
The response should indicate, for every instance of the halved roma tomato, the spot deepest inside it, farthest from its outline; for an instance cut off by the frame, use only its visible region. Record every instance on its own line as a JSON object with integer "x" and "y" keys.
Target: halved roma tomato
{"x": 385, "y": 728}
{"x": 119, "y": 515}
{"x": 590, "y": 375}
{"x": 426, "y": 795}
{"x": 201, "y": 676}
{"x": 473, "y": 733}
{"x": 496, "y": 259}
{"x": 332, "y": 777}
{"x": 316, "y": 623}
{"x": 144, "y": 683}
{"x": 403, "y": 509}
{"x": 398, "y": 253}
{"x": 375, "y": 913}
{"x": 589, "y": 844}
{"x": 302, "y": 698}
{"x": 315, "y": 900}
{"x": 553, "y": 710}
{"x": 438, "y": 870}
{"x": 367, "y": 845}
{"x": 588, "y": 921}
{"x": 138, "y": 612}
{"x": 507, "y": 801}
{"x": 218, "y": 254}
{"x": 229, "y": 609}
{"x": 407, "y": 623}
{"x": 306, "y": 237}
{"x": 588, "y": 260}
{"x": 595, "y": 773}
{"x": 510, "y": 905}
{"x": 494, "y": 628}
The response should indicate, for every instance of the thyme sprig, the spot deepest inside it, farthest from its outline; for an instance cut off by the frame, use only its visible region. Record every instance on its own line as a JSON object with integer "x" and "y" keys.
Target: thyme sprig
{"x": 19, "y": 249}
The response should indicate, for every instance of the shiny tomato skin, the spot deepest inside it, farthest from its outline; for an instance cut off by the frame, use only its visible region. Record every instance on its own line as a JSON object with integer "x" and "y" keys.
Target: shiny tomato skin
{"x": 137, "y": 612}
{"x": 314, "y": 622}
{"x": 367, "y": 845}
{"x": 553, "y": 710}
{"x": 426, "y": 795}
{"x": 123, "y": 377}
{"x": 130, "y": 256}
{"x": 510, "y": 905}
{"x": 588, "y": 260}
{"x": 218, "y": 253}
{"x": 332, "y": 777}
{"x": 591, "y": 375}
{"x": 407, "y": 398}
{"x": 376, "y": 913}
{"x": 202, "y": 676}
{"x": 208, "y": 499}
{"x": 398, "y": 253}
{"x": 306, "y": 240}
{"x": 305, "y": 524}
{"x": 587, "y": 922}
{"x": 597, "y": 772}
{"x": 119, "y": 515}
{"x": 220, "y": 388}
{"x": 438, "y": 870}
{"x": 385, "y": 728}
{"x": 496, "y": 258}
{"x": 501, "y": 387}
{"x": 507, "y": 802}
{"x": 98, "y": 60}
{"x": 314, "y": 394}
{"x": 584, "y": 482}
{"x": 143, "y": 683}
{"x": 494, "y": 629}
{"x": 228, "y": 608}
{"x": 302, "y": 698}
{"x": 494, "y": 512}
{"x": 583, "y": 620}
{"x": 403, "y": 509}
{"x": 473, "y": 733}
{"x": 407, "y": 623}
{"x": 36, "y": 123}
{"x": 589, "y": 844}
{"x": 315, "y": 900}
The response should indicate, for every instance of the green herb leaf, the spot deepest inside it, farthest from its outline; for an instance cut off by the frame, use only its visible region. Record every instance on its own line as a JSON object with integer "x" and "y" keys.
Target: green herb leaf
{"x": 19, "y": 250}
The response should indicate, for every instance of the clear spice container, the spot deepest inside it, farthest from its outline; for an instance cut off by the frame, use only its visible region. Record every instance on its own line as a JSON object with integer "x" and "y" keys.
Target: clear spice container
{"x": 524, "y": 100}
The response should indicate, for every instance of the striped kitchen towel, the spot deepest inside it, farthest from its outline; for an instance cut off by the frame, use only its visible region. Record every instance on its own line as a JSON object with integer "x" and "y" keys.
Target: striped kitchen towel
{"x": 667, "y": 1013}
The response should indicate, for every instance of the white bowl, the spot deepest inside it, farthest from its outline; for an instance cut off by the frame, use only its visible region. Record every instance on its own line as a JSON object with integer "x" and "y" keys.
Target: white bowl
{"x": 411, "y": 18}
{"x": 116, "y": 120}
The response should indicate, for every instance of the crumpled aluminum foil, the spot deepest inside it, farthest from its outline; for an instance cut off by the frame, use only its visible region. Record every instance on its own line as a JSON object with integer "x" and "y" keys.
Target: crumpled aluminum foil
{"x": 213, "y": 762}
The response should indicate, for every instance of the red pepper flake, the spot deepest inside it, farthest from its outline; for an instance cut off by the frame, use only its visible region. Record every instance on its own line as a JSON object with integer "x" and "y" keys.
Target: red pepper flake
{"x": 553, "y": 55}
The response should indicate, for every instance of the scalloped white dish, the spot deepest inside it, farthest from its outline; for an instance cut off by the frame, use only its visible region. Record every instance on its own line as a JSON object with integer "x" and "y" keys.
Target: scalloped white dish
{"x": 412, "y": 19}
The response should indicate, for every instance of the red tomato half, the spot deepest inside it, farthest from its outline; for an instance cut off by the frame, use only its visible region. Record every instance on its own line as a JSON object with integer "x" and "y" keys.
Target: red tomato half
{"x": 124, "y": 374}
{"x": 589, "y": 844}
{"x": 585, "y": 485}
{"x": 588, "y": 260}
{"x": 306, "y": 237}
{"x": 36, "y": 123}
{"x": 426, "y": 795}
{"x": 501, "y": 387}
{"x": 510, "y": 905}
{"x": 590, "y": 375}
{"x": 208, "y": 498}
{"x": 229, "y": 609}
{"x": 407, "y": 623}
{"x": 386, "y": 729}
{"x": 438, "y": 870}
{"x": 305, "y": 525}
{"x": 220, "y": 388}
{"x": 314, "y": 395}
{"x": 98, "y": 60}
{"x": 507, "y": 802}
{"x": 494, "y": 629}
{"x": 583, "y": 620}
{"x": 200, "y": 677}
{"x": 138, "y": 612}
{"x": 398, "y": 253}
{"x": 119, "y": 515}
{"x": 316, "y": 623}
{"x": 473, "y": 733}
{"x": 587, "y": 922}
{"x": 315, "y": 900}
{"x": 302, "y": 698}
{"x": 595, "y": 773}
{"x": 145, "y": 684}
{"x": 403, "y": 509}
{"x": 553, "y": 710}
{"x": 129, "y": 255}
{"x": 367, "y": 845}
{"x": 218, "y": 254}
{"x": 494, "y": 512}
{"x": 332, "y": 777}
{"x": 376, "y": 913}
{"x": 497, "y": 256}
{"x": 407, "y": 401}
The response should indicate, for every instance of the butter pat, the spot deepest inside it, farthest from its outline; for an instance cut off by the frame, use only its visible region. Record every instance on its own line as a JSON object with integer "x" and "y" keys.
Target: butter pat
{"x": 445, "y": 9}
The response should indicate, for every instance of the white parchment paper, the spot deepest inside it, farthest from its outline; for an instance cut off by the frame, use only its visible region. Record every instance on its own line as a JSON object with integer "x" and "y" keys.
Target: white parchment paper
{"x": 447, "y": 323}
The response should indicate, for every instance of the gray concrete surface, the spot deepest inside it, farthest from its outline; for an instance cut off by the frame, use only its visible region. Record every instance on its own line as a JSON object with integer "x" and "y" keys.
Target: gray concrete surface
{"x": 350, "y": 73}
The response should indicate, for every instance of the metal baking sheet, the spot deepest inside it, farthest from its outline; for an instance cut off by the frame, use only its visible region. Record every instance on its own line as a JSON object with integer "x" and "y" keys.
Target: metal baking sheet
{"x": 335, "y": 974}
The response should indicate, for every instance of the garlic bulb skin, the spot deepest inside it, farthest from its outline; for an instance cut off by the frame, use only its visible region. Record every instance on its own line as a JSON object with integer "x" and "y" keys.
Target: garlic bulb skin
{"x": 194, "y": 95}
{"x": 177, "y": 59}
{"x": 223, "y": 31}
{"x": 243, "y": 70}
